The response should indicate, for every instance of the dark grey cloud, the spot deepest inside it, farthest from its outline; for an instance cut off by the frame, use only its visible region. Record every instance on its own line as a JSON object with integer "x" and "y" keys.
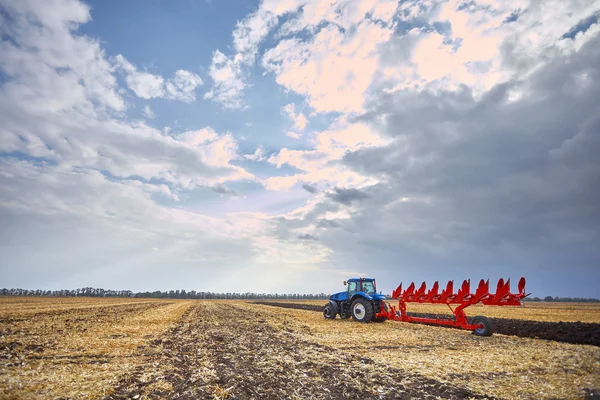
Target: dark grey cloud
{"x": 310, "y": 188}
{"x": 307, "y": 236}
{"x": 222, "y": 189}
{"x": 327, "y": 223}
{"x": 346, "y": 196}
{"x": 485, "y": 187}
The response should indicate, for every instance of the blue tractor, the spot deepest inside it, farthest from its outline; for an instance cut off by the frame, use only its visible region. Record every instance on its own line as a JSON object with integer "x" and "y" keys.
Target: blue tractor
{"x": 360, "y": 301}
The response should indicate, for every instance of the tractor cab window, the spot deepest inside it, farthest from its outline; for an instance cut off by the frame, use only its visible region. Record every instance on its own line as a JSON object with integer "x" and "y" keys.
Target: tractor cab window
{"x": 352, "y": 287}
{"x": 368, "y": 287}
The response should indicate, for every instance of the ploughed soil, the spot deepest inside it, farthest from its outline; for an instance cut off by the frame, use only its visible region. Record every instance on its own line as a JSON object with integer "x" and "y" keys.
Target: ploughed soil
{"x": 567, "y": 332}
{"x": 226, "y": 351}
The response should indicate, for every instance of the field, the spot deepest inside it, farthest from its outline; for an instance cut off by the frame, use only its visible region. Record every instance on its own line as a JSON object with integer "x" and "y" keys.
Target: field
{"x": 160, "y": 348}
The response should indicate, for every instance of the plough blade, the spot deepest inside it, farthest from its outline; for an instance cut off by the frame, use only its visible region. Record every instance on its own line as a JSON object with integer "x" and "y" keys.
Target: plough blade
{"x": 503, "y": 295}
{"x": 397, "y": 293}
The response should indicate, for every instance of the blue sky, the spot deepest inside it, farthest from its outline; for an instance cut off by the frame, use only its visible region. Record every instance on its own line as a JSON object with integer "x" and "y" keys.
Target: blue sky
{"x": 284, "y": 146}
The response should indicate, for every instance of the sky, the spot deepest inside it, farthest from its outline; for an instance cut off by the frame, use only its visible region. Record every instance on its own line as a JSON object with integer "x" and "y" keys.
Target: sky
{"x": 284, "y": 146}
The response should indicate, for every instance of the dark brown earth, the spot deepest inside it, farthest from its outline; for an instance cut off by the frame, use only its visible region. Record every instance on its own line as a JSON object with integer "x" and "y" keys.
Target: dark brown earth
{"x": 224, "y": 351}
{"x": 567, "y": 332}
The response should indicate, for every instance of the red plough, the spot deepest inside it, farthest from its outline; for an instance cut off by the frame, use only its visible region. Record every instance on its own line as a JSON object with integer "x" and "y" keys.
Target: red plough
{"x": 480, "y": 325}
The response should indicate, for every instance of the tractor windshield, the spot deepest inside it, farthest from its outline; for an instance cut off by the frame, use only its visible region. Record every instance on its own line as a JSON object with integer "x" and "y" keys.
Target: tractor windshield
{"x": 368, "y": 287}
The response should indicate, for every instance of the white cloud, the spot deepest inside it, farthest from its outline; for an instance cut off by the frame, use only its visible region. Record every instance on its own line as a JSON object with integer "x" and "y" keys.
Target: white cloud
{"x": 250, "y": 32}
{"x": 227, "y": 71}
{"x": 58, "y": 111}
{"x": 258, "y": 155}
{"x": 293, "y": 135}
{"x": 333, "y": 69}
{"x": 482, "y": 46}
{"x": 299, "y": 120}
{"x": 198, "y": 137}
{"x": 52, "y": 49}
{"x": 228, "y": 85}
{"x": 182, "y": 86}
{"x": 319, "y": 165}
{"x": 148, "y": 113}
{"x": 143, "y": 84}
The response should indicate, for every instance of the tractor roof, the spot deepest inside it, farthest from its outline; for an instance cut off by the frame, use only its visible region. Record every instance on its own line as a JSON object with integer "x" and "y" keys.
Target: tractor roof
{"x": 358, "y": 279}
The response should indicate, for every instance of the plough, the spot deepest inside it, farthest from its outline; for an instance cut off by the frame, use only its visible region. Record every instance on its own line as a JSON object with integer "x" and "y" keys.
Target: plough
{"x": 480, "y": 325}
{"x": 362, "y": 302}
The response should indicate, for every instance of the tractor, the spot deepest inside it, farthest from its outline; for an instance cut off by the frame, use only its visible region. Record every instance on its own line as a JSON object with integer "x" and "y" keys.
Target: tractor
{"x": 360, "y": 301}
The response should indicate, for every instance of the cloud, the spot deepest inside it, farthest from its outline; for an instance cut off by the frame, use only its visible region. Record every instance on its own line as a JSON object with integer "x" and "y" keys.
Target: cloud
{"x": 334, "y": 65}
{"x": 346, "y": 196}
{"x": 293, "y": 135}
{"x": 345, "y": 58}
{"x": 299, "y": 120}
{"x": 309, "y": 188}
{"x": 321, "y": 164}
{"x": 482, "y": 44}
{"x": 148, "y": 113}
{"x": 52, "y": 49}
{"x": 250, "y": 32}
{"x": 258, "y": 155}
{"x": 181, "y": 86}
{"x": 326, "y": 223}
{"x": 59, "y": 109}
{"x": 452, "y": 140}
{"x": 481, "y": 182}
{"x": 307, "y": 236}
{"x": 106, "y": 226}
{"x": 222, "y": 189}
{"x": 333, "y": 69}
{"x": 461, "y": 144}
{"x": 227, "y": 72}
{"x": 228, "y": 85}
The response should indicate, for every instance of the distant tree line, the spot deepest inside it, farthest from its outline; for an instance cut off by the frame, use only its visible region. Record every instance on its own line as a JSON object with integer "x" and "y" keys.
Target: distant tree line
{"x": 83, "y": 292}
{"x": 564, "y": 299}
{"x": 192, "y": 294}
{"x": 171, "y": 294}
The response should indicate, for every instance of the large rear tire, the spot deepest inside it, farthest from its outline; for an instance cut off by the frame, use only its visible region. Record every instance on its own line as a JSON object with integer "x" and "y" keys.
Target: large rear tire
{"x": 486, "y": 328}
{"x": 362, "y": 310}
{"x": 328, "y": 311}
{"x": 376, "y": 310}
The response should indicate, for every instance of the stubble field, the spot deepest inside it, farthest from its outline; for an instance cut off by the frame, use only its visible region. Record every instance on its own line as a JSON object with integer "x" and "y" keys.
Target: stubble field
{"x": 147, "y": 348}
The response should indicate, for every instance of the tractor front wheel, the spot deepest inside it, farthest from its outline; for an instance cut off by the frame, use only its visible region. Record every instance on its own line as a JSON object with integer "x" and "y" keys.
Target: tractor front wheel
{"x": 486, "y": 328}
{"x": 328, "y": 311}
{"x": 362, "y": 310}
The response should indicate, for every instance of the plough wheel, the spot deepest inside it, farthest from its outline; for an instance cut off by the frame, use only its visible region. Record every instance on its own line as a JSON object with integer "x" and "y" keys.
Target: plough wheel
{"x": 486, "y": 328}
{"x": 362, "y": 310}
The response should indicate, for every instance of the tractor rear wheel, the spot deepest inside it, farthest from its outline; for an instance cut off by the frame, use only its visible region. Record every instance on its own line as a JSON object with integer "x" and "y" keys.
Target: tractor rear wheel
{"x": 362, "y": 310}
{"x": 328, "y": 311}
{"x": 486, "y": 328}
{"x": 376, "y": 310}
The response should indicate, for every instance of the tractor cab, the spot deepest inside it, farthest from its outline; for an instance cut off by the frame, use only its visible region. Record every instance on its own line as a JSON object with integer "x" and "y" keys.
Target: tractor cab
{"x": 364, "y": 285}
